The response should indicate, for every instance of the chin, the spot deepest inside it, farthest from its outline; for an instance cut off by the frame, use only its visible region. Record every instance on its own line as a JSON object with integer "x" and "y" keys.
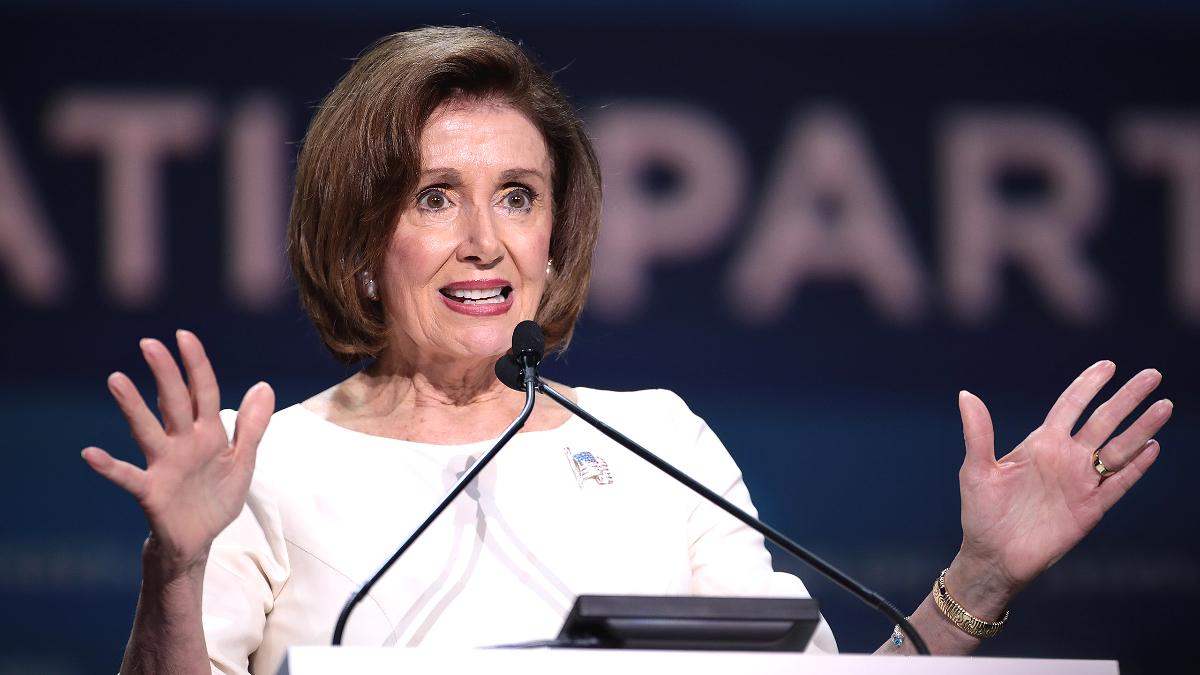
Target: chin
{"x": 493, "y": 339}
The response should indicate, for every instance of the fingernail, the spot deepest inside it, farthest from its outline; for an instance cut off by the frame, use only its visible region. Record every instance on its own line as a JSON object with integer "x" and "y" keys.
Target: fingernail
{"x": 1169, "y": 403}
{"x": 962, "y": 393}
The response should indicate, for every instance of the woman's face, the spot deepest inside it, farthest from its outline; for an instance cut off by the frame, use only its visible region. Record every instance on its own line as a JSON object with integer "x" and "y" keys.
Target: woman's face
{"x": 468, "y": 258}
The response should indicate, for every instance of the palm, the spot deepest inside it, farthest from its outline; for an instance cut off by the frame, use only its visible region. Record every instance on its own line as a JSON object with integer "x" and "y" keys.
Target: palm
{"x": 196, "y": 480}
{"x": 1025, "y": 511}
{"x": 196, "y": 485}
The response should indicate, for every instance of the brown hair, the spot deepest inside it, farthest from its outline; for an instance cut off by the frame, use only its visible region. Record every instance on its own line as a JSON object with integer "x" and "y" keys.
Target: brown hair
{"x": 362, "y": 157}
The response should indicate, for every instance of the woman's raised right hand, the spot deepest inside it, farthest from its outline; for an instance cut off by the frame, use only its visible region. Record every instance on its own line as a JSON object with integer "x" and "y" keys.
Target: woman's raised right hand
{"x": 195, "y": 481}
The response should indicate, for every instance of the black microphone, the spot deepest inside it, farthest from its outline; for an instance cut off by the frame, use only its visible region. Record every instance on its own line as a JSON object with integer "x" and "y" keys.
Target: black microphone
{"x": 530, "y": 349}
{"x": 510, "y": 372}
{"x": 528, "y": 343}
{"x": 516, "y": 379}
{"x": 528, "y": 346}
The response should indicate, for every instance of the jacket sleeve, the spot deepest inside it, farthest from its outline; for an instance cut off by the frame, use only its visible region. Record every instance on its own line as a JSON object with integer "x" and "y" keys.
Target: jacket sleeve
{"x": 247, "y": 567}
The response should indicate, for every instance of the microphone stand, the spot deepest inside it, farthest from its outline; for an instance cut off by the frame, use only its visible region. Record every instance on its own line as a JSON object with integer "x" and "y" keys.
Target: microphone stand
{"x": 530, "y": 379}
{"x": 837, "y": 576}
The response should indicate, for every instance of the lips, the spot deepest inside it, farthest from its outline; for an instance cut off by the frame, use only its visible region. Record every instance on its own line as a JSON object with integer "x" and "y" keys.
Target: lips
{"x": 478, "y": 297}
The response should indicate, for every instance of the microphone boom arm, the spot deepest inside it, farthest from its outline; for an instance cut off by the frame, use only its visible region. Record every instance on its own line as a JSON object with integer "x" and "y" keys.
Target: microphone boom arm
{"x": 468, "y": 476}
{"x": 771, "y": 534}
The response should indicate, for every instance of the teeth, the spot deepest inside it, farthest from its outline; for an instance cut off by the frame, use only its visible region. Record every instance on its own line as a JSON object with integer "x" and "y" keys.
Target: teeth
{"x": 478, "y": 296}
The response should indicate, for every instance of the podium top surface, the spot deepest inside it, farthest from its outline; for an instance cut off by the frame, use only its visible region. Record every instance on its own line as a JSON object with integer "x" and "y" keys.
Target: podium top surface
{"x": 366, "y": 660}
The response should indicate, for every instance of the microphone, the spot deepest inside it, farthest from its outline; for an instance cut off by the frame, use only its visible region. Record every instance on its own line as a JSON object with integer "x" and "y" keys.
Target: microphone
{"x": 528, "y": 346}
{"x": 530, "y": 349}
{"x": 510, "y": 372}
{"x": 528, "y": 343}
{"x": 515, "y": 378}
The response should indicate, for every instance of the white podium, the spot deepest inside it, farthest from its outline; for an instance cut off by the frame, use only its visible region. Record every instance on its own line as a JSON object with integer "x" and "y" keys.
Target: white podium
{"x": 369, "y": 660}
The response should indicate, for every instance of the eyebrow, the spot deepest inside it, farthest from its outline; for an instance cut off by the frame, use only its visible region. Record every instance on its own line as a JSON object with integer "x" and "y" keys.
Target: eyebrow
{"x": 445, "y": 174}
{"x": 454, "y": 176}
{"x": 514, "y": 174}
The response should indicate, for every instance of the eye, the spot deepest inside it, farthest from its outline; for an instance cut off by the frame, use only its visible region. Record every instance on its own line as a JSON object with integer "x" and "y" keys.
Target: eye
{"x": 518, "y": 199}
{"x": 433, "y": 199}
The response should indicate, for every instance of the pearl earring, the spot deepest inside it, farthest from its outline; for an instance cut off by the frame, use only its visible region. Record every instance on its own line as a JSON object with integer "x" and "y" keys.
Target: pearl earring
{"x": 370, "y": 287}
{"x": 549, "y": 267}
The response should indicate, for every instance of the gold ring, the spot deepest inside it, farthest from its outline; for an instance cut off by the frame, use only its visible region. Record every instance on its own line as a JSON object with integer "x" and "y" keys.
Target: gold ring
{"x": 1099, "y": 466}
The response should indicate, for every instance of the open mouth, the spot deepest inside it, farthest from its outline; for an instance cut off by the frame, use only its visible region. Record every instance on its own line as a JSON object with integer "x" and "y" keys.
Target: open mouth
{"x": 478, "y": 296}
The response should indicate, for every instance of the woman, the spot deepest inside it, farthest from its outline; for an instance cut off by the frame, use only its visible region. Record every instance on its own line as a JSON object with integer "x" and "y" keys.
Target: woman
{"x": 446, "y": 191}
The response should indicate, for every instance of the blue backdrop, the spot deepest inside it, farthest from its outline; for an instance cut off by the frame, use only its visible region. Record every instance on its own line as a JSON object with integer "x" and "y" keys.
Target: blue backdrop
{"x": 833, "y": 384}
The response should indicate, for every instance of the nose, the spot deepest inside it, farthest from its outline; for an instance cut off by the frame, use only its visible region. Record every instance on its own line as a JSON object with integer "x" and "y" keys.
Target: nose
{"x": 479, "y": 244}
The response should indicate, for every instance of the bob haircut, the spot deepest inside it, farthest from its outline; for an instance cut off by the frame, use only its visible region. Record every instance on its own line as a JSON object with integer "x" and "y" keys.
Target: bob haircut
{"x": 361, "y": 159}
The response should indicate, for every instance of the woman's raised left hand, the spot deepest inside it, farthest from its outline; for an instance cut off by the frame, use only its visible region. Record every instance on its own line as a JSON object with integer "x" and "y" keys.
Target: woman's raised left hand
{"x": 1023, "y": 512}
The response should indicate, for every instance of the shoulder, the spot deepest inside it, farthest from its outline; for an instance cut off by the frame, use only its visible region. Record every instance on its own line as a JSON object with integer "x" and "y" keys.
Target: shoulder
{"x": 653, "y": 402}
{"x": 293, "y": 427}
{"x": 639, "y": 397}
{"x": 291, "y": 419}
{"x": 648, "y": 413}
{"x": 662, "y": 422}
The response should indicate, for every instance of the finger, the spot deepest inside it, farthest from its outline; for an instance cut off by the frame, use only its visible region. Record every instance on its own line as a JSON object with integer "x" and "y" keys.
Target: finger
{"x": 1070, "y": 405}
{"x": 202, "y": 383}
{"x": 1115, "y": 486}
{"x": 1122, "y": 449}
{"x": 174, "y": 402}
{"x": 977, "y": 433}
{"x": 143, "y": 425}
{"x": 125, "y": 475}
{"x": 253, "y": 416}
{"x": 1112, "y": 412}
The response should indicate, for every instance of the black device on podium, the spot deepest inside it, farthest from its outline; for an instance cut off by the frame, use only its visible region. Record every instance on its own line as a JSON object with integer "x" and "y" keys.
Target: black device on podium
{"x": 690, "y": 622}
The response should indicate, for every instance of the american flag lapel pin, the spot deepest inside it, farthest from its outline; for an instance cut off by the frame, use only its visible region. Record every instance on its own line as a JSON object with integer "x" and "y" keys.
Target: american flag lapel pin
{"x": 586, "y": 466}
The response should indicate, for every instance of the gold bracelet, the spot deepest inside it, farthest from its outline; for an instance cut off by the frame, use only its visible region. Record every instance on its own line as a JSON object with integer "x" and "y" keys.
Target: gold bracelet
{"x": 961, "y": 617}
